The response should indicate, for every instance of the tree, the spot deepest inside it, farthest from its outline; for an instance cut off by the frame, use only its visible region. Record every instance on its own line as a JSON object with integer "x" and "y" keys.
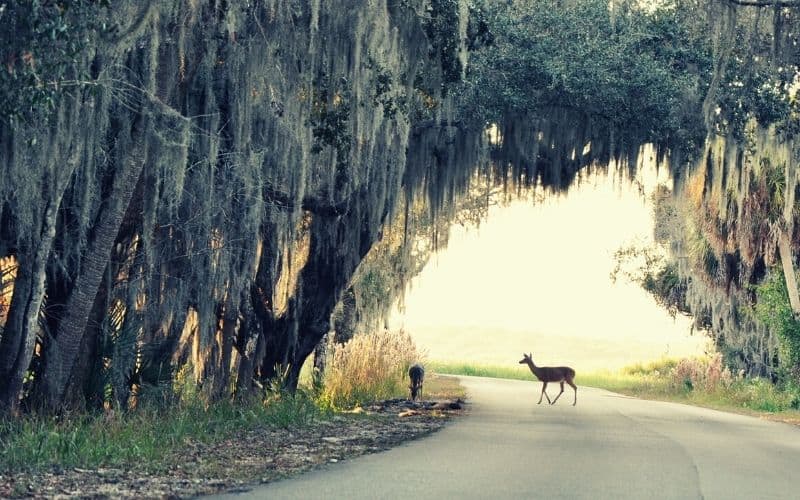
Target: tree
{"x": 636, "y": 70}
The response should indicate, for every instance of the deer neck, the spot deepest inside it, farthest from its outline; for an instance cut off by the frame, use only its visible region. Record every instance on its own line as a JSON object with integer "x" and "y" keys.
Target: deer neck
{"x": 533, "y": 367}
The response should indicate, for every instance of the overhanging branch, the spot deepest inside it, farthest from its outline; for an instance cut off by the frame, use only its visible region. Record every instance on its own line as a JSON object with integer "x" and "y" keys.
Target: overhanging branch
{"x": 766, "y": 3}
{"x": 312, "y": 204}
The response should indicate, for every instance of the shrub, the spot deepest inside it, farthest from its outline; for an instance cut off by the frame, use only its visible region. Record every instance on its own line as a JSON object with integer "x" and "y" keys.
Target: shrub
{"x": 772, "y": 309}
{"x": 760, "y": 394}
{"x": 706, "y": 374}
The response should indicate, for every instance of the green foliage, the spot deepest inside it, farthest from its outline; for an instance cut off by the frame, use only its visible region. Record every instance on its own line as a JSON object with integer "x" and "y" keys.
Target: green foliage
{"x": 773, "y": 177}
{"x": 761, "y": 395}
{"x": 772, "y": 309}
{"x": 632, "y": 72}
{"x": 43, "y": 44}
{"x": 286, "y": 410}
{"x": 441, "y": 28}
{"x": 752, "y": 87}
{"x": 330, "y": 123}
{"x": 386, "y": 95}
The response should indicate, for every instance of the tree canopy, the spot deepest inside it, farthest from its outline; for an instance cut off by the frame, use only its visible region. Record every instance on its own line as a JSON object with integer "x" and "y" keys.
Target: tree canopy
{"x": 639, "y": 70}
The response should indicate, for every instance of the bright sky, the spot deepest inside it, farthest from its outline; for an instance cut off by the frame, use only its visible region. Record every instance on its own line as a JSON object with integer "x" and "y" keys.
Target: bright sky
{"x": 535, "y": 277}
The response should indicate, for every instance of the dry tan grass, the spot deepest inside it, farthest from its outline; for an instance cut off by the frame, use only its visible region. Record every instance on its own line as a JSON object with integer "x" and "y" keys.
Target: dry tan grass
{"x": 369, "y": 367}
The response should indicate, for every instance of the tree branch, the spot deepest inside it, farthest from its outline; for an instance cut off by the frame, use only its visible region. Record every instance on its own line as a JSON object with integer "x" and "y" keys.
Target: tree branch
{"x": 765, "y": 3}
{"x": 312, "y": 204}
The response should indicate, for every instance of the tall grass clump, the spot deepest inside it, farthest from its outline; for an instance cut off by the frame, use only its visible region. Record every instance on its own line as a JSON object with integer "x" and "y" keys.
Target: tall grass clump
{"x": 368, "y": 367}
{"x": 284, "y": 408}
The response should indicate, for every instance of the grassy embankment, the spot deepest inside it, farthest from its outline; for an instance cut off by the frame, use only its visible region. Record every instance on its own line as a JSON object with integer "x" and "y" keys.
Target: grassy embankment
{"x": 696, "y": 381}
{"x": 367, "y": 369}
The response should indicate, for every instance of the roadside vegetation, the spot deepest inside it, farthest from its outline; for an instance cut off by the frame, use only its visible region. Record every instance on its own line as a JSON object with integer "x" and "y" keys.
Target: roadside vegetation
{"x": 698, "y": 381}
{"x": 147, "y": 436}
{"x": 367, "y": 368}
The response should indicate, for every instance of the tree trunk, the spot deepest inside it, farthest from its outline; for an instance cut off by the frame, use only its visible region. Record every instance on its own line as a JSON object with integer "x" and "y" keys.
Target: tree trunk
{"x": 80, "y": 391}
{"x": 19, "y": 337}
{"x": 220, "y": 376}
{"x": 63, "y": 350}
{"x": 785, "y": 250}
{"x": 250, "y": 345}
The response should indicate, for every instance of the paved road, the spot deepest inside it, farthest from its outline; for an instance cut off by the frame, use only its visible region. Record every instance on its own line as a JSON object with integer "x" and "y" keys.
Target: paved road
{"x": 607, "y": 447}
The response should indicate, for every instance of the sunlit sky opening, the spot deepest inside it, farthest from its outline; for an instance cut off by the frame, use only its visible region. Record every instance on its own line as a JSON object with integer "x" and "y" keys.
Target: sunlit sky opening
{"x": 536, "y": 277}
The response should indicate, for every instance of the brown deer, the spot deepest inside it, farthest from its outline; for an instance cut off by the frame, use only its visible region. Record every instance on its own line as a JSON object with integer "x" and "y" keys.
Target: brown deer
{"x": 551, "y": 374}
{"x": 417, "y": 375}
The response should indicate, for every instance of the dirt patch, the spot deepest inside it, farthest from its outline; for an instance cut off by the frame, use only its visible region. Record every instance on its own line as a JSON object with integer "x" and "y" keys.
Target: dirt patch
{"x": 256, "y": 457}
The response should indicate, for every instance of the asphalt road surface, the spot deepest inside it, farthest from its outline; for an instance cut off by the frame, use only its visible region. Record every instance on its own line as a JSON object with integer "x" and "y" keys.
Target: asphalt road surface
{"x": 608, "y": 446}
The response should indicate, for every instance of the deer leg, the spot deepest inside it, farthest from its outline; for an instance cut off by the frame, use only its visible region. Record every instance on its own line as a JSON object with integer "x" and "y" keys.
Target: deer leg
{"x": 544, "y": 386}
{"x": 575, "y": 387}
{"x": 559, "y": 394}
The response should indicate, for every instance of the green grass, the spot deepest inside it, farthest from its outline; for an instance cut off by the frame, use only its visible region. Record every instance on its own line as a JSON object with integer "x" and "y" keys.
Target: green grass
{"x": 480, "y": 370}
{"x": 144, "y": 437}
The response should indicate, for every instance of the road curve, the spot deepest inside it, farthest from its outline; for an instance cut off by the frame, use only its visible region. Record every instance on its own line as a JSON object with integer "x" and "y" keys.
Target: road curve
{"x": 608, "y": 446}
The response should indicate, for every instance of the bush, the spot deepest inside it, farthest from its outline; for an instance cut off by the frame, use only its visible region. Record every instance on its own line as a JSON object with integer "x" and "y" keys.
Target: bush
{"x": 760, "y": 394}
{"x": 368, "y": 367}
{"x": 772, "y": 309}
{"x": 706, "y": 374}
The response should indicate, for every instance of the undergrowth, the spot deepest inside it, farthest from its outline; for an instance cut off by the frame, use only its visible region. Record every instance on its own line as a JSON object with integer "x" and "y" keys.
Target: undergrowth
{"x": 367, "y": 368}
{"x": 145, "y": 436}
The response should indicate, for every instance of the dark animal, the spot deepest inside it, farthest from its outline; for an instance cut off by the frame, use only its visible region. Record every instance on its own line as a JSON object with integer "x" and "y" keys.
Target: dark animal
{"x": 551, "y": 374}
{"x": 417, "y": 375}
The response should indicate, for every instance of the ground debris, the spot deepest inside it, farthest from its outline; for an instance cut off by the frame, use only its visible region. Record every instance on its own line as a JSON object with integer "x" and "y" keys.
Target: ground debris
{"x": 257, "y": 456}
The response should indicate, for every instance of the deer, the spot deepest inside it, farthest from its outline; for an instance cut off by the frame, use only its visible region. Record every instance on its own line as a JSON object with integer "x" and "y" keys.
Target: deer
{"x": 551, "y": 374}
{"x": 417, "y": 375}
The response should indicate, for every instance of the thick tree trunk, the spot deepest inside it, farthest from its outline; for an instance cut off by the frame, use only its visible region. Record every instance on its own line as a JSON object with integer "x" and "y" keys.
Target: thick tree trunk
{"x": 13, "y": 333}
{"x": 80, "y": 391}
{"x": 63, "y": 350}
{"x": 785, "y": 251}
{"x": 250, "y": 345}
{"x": 221, "y": 365}
{"x": 19, "y": 337}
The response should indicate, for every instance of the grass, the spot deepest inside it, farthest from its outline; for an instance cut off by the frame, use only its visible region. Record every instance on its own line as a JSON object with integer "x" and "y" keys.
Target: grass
{"x": 144, "y": 437}
{"x": 697, "y": 381}
{"x": 480, "y": 370}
